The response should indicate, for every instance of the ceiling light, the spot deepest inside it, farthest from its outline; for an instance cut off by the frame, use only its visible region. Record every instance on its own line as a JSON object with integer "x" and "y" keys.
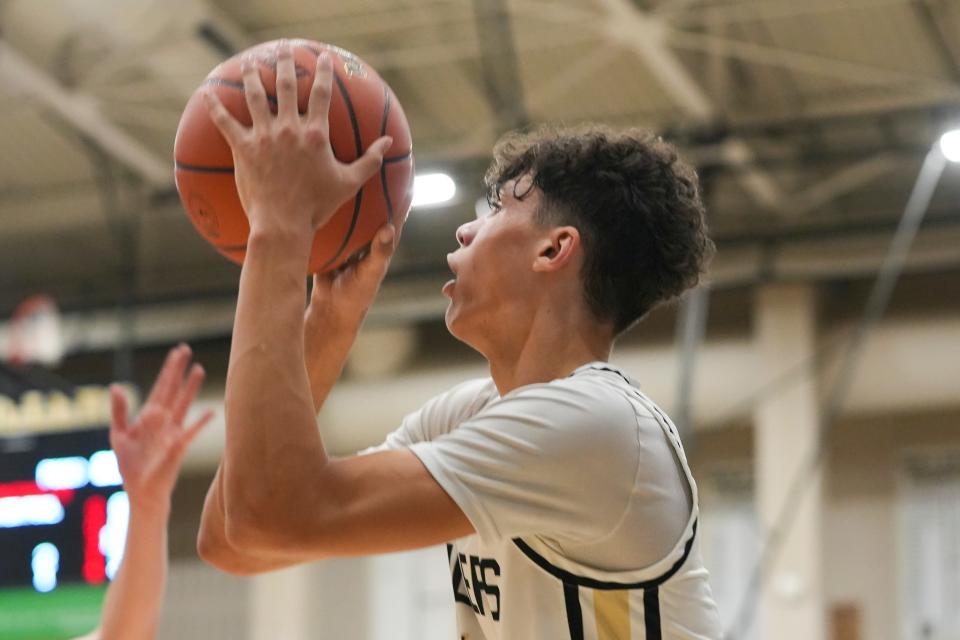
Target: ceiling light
{"x": 950, "y": 145}
{"x": 432, "y": 189}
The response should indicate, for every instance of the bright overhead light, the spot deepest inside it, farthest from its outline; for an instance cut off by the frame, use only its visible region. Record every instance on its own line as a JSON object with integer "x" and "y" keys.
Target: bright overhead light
{"x": 950, "y": 145}
{"x": 432, "y": 189}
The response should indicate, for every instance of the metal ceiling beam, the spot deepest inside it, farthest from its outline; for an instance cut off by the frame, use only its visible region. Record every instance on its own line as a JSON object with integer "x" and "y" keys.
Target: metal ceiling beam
{"x": 386, "y": 23}
{"x": 553, "y": 87}
{"x": 195, "y": 23}
{"x": 646, "y": 36}
{"x": 432, "y": 55}
{"x": 813, "y": 64}
{"x": 676, "y": 11}
{"x": 672, "y": 36}
{"x": 237, "y": 38}
{"x": 938, "y": 38}
{"x": 83, "y": 112}
{"x": 499, "y": 65}
{"x": 755, "y": 180}
{"x": 847, "y": 180}
{"x": 870, "y": 113}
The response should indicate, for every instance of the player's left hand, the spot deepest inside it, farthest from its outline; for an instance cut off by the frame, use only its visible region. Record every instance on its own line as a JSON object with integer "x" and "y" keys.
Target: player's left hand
{"x": 342, "y": 297}
{"x": 150, "y": 449}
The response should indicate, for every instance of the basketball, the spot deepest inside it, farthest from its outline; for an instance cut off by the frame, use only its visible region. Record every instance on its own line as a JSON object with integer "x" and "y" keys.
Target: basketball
{"x": 362, "y": 109}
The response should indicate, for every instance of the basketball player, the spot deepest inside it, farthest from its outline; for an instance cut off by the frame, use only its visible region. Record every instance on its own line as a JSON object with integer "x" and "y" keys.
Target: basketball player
{"x": 149, "y": 452}
{"x": 562, "y": 492}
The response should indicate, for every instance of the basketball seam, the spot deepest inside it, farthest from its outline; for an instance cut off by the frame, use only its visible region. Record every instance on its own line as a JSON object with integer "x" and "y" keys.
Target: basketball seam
{"x": 358, "y": 141}
{"x": 232, "y": 247}
{"x": 400, "y": 158}
{"x": 197, "y": 168}
{"x": 383, "y": 165}
{"x": 234, "y": 84}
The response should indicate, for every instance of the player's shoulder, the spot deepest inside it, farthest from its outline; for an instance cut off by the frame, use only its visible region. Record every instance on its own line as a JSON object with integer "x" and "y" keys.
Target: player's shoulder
{"x": 596, "y": 386}
{"x": 461, "y": 401}
{"x": 588, "y": 397}
{"x": 607, "y": 382}
{"x": 472, "y": 393}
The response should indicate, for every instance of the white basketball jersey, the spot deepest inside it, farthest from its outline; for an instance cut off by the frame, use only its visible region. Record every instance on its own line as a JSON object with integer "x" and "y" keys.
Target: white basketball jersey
{"x": 584, "y": 508}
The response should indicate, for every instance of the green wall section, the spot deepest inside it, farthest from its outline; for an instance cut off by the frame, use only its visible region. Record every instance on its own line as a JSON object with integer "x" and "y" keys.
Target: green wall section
{"x": 65, "y": 612}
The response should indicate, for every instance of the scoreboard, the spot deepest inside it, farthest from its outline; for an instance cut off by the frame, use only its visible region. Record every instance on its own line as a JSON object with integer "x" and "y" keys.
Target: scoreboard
{"x": 63, "y": 512}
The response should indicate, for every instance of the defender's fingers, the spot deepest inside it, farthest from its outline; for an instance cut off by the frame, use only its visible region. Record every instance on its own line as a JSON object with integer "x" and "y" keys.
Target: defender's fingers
{"x": 367, "y": 165}
{"x": 229, "y": 127}
{"x": 191, "y": 432}
{"x": 118, "y": 408}
{"x": 168, "y": 380}
{"x": 255, "y": 93}
{"x": 286, "y": 82}
{"x": 187, "y": 392}
{"x": 318, "y": 107}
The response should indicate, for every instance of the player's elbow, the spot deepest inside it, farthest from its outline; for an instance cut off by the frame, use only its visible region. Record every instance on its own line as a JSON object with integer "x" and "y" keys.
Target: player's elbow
{"x": 210, "y": 549}
{"x": 219, "y": 555}
{"x": 249, "y": 533}
{"x": 214, "y": 549}
{"x": 279, "y": 535}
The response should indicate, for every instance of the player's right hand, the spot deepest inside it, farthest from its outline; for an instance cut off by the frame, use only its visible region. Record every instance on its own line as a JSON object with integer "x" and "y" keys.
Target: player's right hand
{"x": 287, "y": 176}
{"x": 340, "y": 299}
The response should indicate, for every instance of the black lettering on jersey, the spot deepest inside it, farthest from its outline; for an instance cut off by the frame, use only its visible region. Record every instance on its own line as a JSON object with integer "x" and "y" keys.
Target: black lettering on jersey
{"x": 483, "y": 573}
{"x": 490, "y": 588}
{"x": 460, "y": 593}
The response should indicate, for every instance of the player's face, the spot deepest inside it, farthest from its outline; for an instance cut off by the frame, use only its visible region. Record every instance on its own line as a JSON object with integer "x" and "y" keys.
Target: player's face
{"x": 493, "y": 267}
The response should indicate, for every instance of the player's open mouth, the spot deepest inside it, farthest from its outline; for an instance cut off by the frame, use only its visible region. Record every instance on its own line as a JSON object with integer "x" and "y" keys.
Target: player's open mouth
{"x": 448, "y": 287}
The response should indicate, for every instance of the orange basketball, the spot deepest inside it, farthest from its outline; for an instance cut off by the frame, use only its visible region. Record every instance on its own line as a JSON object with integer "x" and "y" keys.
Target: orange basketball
{"x": 362, "y": 108}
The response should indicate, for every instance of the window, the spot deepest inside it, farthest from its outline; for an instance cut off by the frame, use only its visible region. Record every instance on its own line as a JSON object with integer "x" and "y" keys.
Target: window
{"x": 930, "y": 548}
{"x": 731, "y": 542}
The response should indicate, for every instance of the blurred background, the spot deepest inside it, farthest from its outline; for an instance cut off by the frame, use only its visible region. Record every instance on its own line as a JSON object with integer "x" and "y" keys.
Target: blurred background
{"x": 816, "y": 377}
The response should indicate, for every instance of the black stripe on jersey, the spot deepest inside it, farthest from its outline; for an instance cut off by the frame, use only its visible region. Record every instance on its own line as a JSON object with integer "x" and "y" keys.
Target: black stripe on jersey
{"x": 599, "y": 367}
{"x": 651, "y": 613}
{"x": 583, "y": 581}
{"x": 571, "y": 597}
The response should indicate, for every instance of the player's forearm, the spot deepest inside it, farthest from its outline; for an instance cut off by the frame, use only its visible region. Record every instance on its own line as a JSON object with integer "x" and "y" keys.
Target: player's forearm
{"x": 272, "y": 443}
{"x": 327, "y": 343}
{"x": 131, "y": 609}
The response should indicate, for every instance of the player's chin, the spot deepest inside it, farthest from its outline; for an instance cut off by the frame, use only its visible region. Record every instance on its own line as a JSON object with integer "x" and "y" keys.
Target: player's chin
{"x": 449, "y": 317}
{"x": 453, "y": 318}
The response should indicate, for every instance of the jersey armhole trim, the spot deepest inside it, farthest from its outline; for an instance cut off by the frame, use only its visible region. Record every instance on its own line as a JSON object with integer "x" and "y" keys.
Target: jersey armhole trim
{"x": 583, "y": 581}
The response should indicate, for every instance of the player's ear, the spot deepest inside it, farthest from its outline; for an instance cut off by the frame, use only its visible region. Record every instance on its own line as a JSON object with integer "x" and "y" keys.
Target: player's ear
{"x": 557, "y": 249}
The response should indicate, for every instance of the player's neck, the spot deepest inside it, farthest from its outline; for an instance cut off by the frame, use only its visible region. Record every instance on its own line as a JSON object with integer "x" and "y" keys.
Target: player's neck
{"x": 553, "y": 345}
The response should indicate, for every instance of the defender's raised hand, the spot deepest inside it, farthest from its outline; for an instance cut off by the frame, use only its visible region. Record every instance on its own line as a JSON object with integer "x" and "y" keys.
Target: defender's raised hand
{"x": 150, "y": 449}
{"x": 287, "y": 176}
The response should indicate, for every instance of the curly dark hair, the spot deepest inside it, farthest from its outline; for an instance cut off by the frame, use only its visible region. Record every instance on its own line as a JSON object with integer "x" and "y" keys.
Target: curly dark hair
{"x": 635, "y": 202}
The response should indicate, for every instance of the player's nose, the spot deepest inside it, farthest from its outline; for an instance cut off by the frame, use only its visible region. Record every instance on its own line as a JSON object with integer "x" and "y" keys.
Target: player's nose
{"x": 466, "y": 233}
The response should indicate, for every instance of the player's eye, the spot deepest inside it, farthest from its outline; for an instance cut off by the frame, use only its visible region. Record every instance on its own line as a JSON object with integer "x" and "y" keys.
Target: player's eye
{"x": 494, "y": 203}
